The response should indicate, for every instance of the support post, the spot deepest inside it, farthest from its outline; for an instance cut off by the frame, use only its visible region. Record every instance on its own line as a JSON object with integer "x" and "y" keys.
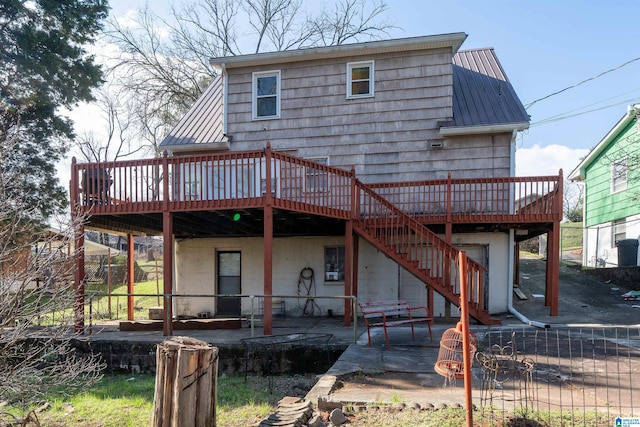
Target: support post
{"x": 516, "y": 269}
{"x": 78, "y": 229}
{"x": 466, "y": 345}
{"x": 348, "y": 270}
{"x": 167, "y": 272}
{"x": 167, "y": 251}
{"x": 268, "y": 249}
{"x": 130, "y": 276}
{"x": 356, "y": 254}
{"x": 553, "y": 269}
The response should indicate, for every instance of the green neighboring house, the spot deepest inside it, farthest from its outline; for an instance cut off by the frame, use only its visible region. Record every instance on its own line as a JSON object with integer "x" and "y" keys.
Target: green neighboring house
{"x": 611, "y": 179}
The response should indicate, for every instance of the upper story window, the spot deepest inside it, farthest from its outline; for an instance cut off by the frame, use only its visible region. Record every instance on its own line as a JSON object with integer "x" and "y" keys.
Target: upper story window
{"x": 266, "y": 95}
{"x": 360, "y": 79}
{"x": 619, "y": 175}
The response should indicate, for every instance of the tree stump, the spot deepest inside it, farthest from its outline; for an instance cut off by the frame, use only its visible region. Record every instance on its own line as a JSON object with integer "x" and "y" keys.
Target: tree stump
{"x": 186, "y": 384}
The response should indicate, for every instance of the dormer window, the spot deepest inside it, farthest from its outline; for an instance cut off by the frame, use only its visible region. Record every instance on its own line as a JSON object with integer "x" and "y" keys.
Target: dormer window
{"x": 266, "y": 95}
{"x": 360, "y": 79}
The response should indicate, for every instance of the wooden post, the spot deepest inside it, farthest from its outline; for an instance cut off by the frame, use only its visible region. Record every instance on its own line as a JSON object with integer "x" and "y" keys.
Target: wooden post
{"x": 348, "y": 271}
{"x": 79, "y": 278}
{"x": 267, "y": 313}
{"x": 109, "y": 281}
{"x": 466, "y": 345}
{"x": 130, "y": 276}
{"x": 167, "y": 272}
{"x": 186, "y": 384}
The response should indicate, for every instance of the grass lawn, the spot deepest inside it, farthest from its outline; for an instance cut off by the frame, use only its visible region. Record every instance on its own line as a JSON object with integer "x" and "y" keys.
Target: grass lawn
{"x": 571, "y": 235}
{"x": 127, "y": 401}
{"x": 118, "y": 304}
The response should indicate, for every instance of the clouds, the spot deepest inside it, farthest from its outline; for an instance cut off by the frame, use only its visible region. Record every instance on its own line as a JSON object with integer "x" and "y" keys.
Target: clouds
{"x": 548, "y": 160}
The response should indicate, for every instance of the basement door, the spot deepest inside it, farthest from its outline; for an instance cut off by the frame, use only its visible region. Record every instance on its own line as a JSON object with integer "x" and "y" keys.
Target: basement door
{"x": 228, "y": 273}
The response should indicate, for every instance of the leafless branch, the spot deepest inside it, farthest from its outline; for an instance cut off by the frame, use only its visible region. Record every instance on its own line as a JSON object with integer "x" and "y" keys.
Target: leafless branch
{"x": 36, "y": 355}
{"x": 162, "y": 65}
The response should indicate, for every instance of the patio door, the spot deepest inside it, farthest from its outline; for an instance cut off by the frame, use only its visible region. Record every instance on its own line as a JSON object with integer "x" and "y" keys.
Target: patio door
{"x": 228, "y": 267}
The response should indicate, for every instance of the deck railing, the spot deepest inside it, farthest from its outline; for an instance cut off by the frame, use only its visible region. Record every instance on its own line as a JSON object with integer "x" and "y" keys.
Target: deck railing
{"x": 511, "y": 199}
{"x": 240, "y": 179}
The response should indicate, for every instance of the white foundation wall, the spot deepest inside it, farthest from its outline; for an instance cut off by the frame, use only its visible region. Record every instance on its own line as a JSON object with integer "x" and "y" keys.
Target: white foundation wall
{"x": 196, "y": 272}
{"x": 495, "y": 247}
{"x": 599, "y": 249}
{"x": 379, "y": 278}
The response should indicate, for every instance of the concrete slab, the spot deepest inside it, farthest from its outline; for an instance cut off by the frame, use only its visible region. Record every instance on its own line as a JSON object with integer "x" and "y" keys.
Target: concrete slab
{"x": 405, "y": 373}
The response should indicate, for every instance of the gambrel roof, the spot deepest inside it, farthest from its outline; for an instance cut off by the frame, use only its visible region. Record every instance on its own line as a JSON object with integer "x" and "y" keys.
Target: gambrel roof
{"x": 483, "y": 98}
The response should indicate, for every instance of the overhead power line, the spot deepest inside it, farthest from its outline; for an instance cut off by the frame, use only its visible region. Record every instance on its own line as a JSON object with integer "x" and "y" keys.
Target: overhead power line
{"x": 568, "y": 116}
{"x": 584, "y": 109}
{"x": 582, "y": 82}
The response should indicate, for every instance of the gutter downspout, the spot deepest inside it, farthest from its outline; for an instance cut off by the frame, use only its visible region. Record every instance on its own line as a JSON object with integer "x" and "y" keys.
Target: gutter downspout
{"x": 512, "y": 240}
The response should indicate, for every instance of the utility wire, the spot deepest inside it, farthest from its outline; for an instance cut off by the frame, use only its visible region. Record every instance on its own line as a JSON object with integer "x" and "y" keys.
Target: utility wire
{"x": 582, "y": 82}
{"x": 562, "y": 117}
{"x": 593, "y": 103}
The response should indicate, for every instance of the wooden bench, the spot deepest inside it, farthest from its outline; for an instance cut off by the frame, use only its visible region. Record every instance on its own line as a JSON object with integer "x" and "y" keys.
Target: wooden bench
{"x": 385, "y": 314}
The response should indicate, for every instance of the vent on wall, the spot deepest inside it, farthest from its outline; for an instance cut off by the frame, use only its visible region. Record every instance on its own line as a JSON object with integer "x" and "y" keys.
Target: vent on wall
{"x": 435, "y": 144}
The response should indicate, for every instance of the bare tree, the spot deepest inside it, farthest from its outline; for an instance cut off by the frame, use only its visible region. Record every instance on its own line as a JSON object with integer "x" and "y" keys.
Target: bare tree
{"x": 120, "y": 133}
{"x": 572, "y": 201}
{"x": 36, "y": 352}
{"x": 623, "y": 162}
{"x": 163, "y": 64}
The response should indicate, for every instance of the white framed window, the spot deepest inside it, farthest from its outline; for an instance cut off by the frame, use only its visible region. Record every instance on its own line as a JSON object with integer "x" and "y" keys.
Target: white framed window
{"x": 618, "y": 231}
{"x": 266, "y": 95}
{"x": 316, "y": 178}
{"x": 619, "y": 175}
{"x": 334, "y": 264}
{"x": 360, "y": 79}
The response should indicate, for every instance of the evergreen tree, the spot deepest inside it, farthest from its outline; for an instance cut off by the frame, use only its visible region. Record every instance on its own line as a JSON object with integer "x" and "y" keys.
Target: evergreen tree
{"x": 44, "y": 68}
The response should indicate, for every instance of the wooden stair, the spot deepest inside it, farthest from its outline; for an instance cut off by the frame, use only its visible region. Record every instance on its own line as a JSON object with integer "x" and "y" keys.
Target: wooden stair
{"x": 420, "y": 251}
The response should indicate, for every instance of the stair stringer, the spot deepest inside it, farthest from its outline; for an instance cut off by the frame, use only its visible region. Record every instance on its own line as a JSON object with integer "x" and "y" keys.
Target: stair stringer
{"x": 416, "y": 248}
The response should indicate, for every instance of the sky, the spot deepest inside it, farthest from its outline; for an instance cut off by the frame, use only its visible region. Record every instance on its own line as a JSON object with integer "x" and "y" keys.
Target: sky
{"x": 588, "y": 50}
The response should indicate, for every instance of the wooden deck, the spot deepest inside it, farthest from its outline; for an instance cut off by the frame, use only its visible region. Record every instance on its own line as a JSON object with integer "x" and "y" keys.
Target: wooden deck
{"x": 189, "y": 195}
{"x": 239, "y": 180}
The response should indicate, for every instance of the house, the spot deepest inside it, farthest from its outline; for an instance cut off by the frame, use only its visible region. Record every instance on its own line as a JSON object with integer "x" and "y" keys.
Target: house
{"x": 326, "y": 174}
{"x": 611, "y": 190}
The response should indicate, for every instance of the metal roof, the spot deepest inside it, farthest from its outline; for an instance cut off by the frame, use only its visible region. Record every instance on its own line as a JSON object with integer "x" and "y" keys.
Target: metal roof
{"x": 482, "y": 94}
{"x": 483, "y": 101}
{"x": 202, "y": 124}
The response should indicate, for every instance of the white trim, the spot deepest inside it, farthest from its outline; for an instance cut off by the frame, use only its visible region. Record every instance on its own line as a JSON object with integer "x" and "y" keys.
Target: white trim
{"x": 254, "y": 93}
{"x": 452, "y": 40}
{"x": 578, "y": 174}
{"x": 469, "y": 130}
{"x": 361, "y": 64}
{"x": 196, "y": 146}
